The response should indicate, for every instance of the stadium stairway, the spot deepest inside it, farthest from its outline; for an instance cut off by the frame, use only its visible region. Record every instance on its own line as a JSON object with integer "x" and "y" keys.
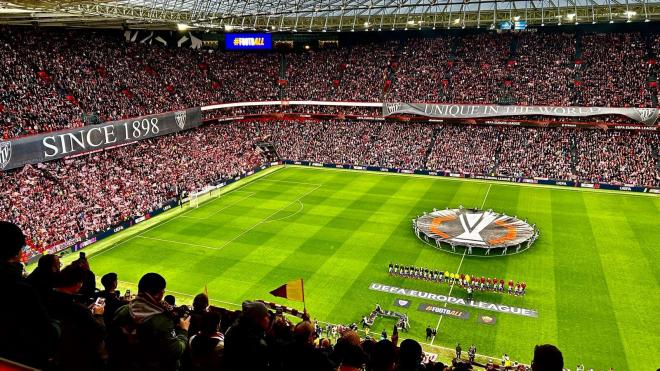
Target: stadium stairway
{"x": 429, "y": 149}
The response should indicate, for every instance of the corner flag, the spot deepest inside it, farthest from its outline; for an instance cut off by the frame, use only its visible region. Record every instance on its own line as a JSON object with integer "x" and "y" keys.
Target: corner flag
{"x": 292, "y": 290}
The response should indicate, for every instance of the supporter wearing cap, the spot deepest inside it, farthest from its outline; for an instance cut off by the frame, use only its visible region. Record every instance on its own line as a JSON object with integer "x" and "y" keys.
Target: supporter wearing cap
{"x": 245, "y": 341}
{"x": 28, "y": 334}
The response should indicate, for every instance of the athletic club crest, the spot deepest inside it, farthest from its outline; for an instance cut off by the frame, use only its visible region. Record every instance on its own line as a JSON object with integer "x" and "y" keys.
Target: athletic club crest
{"x": 180, "y": 117}
{"x": 5, "y": 154}
{"x": 647, "y": 115}
{"x": 392, "y": 107}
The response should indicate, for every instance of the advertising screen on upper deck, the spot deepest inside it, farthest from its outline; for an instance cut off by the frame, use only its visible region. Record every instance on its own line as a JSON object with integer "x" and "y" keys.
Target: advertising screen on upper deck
{"x": 248, "y": 41}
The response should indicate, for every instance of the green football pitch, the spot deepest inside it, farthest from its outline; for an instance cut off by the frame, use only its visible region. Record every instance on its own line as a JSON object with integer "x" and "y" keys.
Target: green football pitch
{"x": 592, "y": 274}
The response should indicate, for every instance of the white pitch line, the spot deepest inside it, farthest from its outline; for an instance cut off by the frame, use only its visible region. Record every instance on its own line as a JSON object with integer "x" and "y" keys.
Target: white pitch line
{"x": 451, "y": 288}
{"x": 224, "y": 208}
{"x": 486, "y": 196}
{"x": 180, "y": 243}
{"x": 292, "y": 182}
{"x": 302, "y": 206}
{"x": 265, "y": 220}
{"x": 160, "y": 224}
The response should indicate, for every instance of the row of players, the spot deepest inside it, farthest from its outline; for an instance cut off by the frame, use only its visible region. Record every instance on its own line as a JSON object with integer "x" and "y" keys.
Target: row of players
{"x": 464, "y": 280}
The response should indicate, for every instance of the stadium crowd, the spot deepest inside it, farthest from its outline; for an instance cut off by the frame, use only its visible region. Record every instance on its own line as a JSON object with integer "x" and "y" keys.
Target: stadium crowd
{"x": 91, "y": 193}
{"x": 54, "y": 79}
{"x": 60, "y": 320}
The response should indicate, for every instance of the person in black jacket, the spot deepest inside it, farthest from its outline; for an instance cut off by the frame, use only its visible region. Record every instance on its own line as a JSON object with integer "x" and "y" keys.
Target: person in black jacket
{"x": 110, "y": 295}
{"x": 43, "y": 276}
{"x": 245, "y": 342}
{"x": 81, "y": 346}
{"x": 28, "y": 333}
{"x": 302, "y": 355}
{"x": 207, "y": 346}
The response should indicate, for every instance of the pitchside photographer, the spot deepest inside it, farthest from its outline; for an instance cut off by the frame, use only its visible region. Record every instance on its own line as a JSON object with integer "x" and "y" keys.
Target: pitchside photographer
{"x": 148, "y": 334}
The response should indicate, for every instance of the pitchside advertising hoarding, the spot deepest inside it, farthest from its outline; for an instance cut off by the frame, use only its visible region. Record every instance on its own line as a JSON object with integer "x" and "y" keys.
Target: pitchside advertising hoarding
{"x": 46, "y": 147}
{"x": 248, "y": 41}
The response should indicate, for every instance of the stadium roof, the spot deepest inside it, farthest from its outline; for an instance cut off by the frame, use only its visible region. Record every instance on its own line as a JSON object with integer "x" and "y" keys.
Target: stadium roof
{"x": 321, "y": 15}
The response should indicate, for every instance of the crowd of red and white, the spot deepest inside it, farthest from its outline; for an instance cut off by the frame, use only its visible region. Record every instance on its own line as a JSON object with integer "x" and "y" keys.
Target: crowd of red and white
{"x": 58, "y": 200}
{"x": 55, "y": 79}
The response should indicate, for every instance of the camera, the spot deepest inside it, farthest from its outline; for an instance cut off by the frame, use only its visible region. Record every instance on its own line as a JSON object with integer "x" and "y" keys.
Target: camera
{"x": 180, "y": 312}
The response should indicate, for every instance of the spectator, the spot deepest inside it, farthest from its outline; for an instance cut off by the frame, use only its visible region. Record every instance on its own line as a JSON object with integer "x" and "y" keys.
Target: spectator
{"x": 199, "y": 308}
{"x": 410, "y": 356}
{"x": 206, "y": 347}
{"x": 383, "y": 356}
{"x": 33, "y": 334}
{"x": 145, "y": 335}
{"x": 43, "y": 276}
{"x": 302, "y": 355}
{"x": 111, "y": 296}
{"x": 547, "y": 358}
{"x": 245, "y": 341}
{"x": 81, "y": 346}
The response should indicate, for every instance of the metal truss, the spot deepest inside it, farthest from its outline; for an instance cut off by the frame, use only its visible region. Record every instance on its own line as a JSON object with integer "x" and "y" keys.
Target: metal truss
{"x": 324, "y": 15}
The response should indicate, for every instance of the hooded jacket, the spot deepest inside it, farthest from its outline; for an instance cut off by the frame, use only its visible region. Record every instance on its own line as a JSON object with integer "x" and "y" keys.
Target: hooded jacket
{"x": 144, "y": 337}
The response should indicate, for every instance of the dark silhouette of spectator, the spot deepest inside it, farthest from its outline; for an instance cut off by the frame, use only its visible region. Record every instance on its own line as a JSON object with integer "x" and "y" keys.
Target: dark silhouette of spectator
{"x": 88, "y": 289}
{"x": 81, "y": 346}
{"x": 33, "y": 334}
{"x": 547, "y": 358}
{"x": 199, "y": 308}
{"x": 245, "y": 340}
{"x": 383, "y": 356}
{"x": 302, "y": 355}
{"x": 207, "y": 346}
{"x": 410, "y": 356}
{"x": 111, "y": 297}
{"x": 43, "y": 276}
{"x": 145, "y": 335}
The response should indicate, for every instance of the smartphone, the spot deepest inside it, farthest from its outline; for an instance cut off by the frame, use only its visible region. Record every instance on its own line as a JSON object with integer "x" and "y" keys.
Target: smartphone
{"x": 82, "y": 255}
{"x": 100, "y": 302}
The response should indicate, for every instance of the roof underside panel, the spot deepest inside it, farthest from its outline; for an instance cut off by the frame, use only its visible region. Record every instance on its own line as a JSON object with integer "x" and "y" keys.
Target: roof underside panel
{"x": 325, "y": 14}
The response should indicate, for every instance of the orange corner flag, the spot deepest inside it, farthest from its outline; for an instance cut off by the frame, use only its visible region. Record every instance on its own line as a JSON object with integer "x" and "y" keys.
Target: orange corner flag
{"x": 292, "y": 290}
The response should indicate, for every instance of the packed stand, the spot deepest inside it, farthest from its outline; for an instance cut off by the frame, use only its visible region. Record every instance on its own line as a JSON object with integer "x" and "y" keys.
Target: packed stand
{"x": 61, "y": 320}
{"x": 90, "y": 193}
{"x": 614, "y": 70}
{"x": 367, "y": 71}
{"x": 543, "y": 71}
{"x": 320, "y": 82}
{"x": 70, "y": 80}
{"x": 536, "y": 152}
{"x": 422, "y": 73}
{"x": 618, "y": 157}
{"x": 52, "y": 79}
{"x": 481, "y": 68}
{"x": 466, "y": 149}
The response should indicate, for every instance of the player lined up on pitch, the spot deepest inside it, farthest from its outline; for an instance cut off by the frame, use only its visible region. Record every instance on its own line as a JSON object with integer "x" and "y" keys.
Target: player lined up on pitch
{"x": 466, "y": 281}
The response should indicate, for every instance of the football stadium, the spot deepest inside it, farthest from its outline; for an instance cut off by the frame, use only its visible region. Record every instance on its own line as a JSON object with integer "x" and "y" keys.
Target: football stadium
{"x": 204, "y": 185}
